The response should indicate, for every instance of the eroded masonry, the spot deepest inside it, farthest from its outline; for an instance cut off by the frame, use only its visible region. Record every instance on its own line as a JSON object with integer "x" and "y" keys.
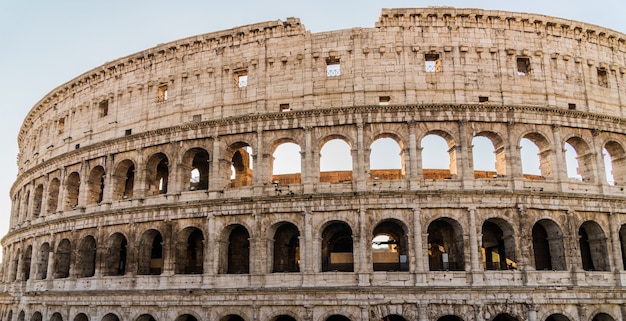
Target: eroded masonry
{"x": 270, "y": 173}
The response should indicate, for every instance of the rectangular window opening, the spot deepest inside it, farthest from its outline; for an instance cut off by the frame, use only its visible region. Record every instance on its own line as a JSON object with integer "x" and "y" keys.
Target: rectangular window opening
{"x": 77, "y": 146}
{"x": 483, "y": 99}
{"x": 241, "y": 78}
{"x": 333, "y": 67}
{"x": 103, "y": 107}
{"x": 284, "y": 107}
{"x": 128, "y": 132}
{"x": 162, "y": 93}
{"x": 523, "y": 66}
{"x": 384, "y": 100}
{"x": 603, "y": 78}
{"x": 571, "y": 106}
{"x": 432, "y": 62}
{"x": 61, "y": 125}
{"x": 196, "y": 118}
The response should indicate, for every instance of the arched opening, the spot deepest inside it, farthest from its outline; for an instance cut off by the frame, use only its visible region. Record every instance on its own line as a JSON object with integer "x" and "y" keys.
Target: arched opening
{"x": 287, "y": 165}
{"x": 157, "y": 174}
{"x": 53, "y": 195}
{"x": 337, "y": 317}
{"x": 593, "y": 251}
{"x": 116, "y": 259}
{"x": 548, "y": 248}
{"x": 186, "y": 317}
{"x": 196, "y": 165}
{"x": 16, "y": 264}
{"x": 622, "y": 241}
{"x": 504, "y": 317}
{"x": 488, "y": 155}
{"x": 95, "y": 185}
{"x": 86, "y": 260}
{"x": 386, "y": 160}
{"x": 337, "y": 248}
{"x": 62, "y": 258}
{"x": 238, "y": 251}
{"x": 579, "y": 159}
{"x": 124, "y": 180}
{"x": 557, "y": 317}
{"x": 21, "y": 316}
{"x": 445, "y": 245}
{"x": 449, "y": 318}
{"x": 602, "y": 317}
{"x": 498, "y": 245}
{"x": 36, "y": 316}
{"x": 438, "y": 156}
{"x": 42, "y": 261}
{"x": 26, "y": 206}
{"x": 145, "y": 317}
{"x": 241, "y": 165}
{"x": 190, "y": 252}
{"x": 335, "y": 161}
{"x": 150, "y": 261}
{"x": 615, "y": 163}
{"x": 27, "y": 260}
{"x": 37, "y": 199}
{"x": 390, "y": 247}
{"x": 72, "y": 186}
{"x": 232, "y": 317}
{"x": 536, "y": 157}
{"x": 394, "y": 317}
{"x": 286, "y": 249}
{"x": 284, "y": 317}
{"x": 55, "y": 317}
{"x": 81, "y": 317}
{"x": 110, "y": 317}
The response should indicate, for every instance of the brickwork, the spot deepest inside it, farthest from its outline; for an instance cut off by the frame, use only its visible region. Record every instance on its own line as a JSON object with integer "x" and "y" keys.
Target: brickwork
{"x": 146, "y": 188}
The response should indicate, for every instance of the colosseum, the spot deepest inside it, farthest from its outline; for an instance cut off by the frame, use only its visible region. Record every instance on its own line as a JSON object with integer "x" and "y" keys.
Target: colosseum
{"x": 194, "y": 180}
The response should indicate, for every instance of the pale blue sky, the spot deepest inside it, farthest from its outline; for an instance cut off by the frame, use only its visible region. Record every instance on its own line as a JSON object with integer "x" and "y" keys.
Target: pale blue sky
{"x": 46, "y": 43}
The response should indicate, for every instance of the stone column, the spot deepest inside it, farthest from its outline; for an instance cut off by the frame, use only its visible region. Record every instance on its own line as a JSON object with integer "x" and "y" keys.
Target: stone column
{"x": 474, "y": 238}
{"x": 108, "y": 179}
{"x": 417, "y": 259}
{"x": 525, "y": 240}
{"x": 308, "y": 168}
{"x": 260, "y": 157}
{"x": 614, "y": 224}
{"x": 363, "y": 251}
{"x": 139, "y": 185}
{"x": 559, "y": 172}
{"x": 360, "y": 174}
{"x": 463, "y": 155}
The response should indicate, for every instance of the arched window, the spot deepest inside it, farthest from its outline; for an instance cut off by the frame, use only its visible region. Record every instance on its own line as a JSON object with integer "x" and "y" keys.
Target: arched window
{"x": 150, "y": 261}
{"x": 72, "y": 186}
{"x": 504, "y": 317}
{"x": 186, "y": 317}
{"x": 593, "y": 251}
{"x": 62, "y": 258}
{"x": 16, "y": 264}
{"x": 579, "y": 159}
{"x": 55, "y": 317}
{"x": 116, "y": 259}
{"x": 196, "y": 164}
{"x": 445, "y": 245}
{"x": 535, "y": 154}
{"x": 37, "y": 199}
{"x": 190, "y": 251}
{"x": 53, "y": 195}
{"x": 157, "y": 174}
{"x": 145, "y": 317}
{"x": 337, "y": 317}
{"x": 232, "y": 317}
{"x": 602, "y": 317}
{"x": 335, "y": 162}
{"x": 337, "y": 248}
{"x": 286, "y": 249}
{"x": 488, "y": 155}
{"x": 28, "y": 255}
{"x": 110, "y": 317}
{"x": 124, "y": 180}
{"x": 498, "y": 245}
{"x": 557, "y": 317}
{"x": 449, "y": 318}
{"x": 615, "y": 163}
{"x": 238, "y": 250}
{"x": 81, "y": 317}
{"x": 42, "y": 261}
{"x": 622, "y": 241}
{"x": 36, "y": 316}
{"x": 95, "y": 185}
{"x": 438, "y": 156}
{"x": 241, "y": 165}
{"x": 390, "y": 247}
{"x": 287, "y": 165}
{"x": 386, "y": 159}
{"x": 86, "y": 260}
{"x": 548, "y": 249}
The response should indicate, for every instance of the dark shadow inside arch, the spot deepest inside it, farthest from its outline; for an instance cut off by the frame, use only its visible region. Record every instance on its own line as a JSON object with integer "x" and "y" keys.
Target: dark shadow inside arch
{"x": 557, "y": 317}
{"x": 232, "y": 317}
{"x": 337, "y": 317}
{"x": 602, "y": 317}
{"x": 445, "y": 245}
{"x": 449, "y": 318}
{"x": 394, "y": 317}
{"x": 186, "y": 317}
{"x": 284, "y": 317}
{"x": 504, "y": 317}
{"x": 337, "y": 248}
{"x": 286, "y": 249}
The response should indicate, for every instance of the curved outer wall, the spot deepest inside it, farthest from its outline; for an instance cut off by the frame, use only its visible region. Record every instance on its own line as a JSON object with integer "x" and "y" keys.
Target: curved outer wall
{"x": 106, "y": 224}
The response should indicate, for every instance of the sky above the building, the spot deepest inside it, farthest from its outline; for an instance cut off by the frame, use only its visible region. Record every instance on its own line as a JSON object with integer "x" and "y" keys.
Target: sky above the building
{"x": 47, "y": 43}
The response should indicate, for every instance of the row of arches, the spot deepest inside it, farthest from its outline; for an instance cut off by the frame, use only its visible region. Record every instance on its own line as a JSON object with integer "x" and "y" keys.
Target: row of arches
{"x": 56, "y": 316}
{"x": 447, "y": 249}
{"x": 388, "y": 158}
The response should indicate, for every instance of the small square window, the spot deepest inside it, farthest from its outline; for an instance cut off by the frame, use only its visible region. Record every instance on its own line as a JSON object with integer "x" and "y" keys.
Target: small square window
{"x": 284, "y": 107}
{"x": 241, "y": 78}
{"x": 333, "y": 68}
{"x": 77, "y": 146}
{"x": 571, "y": 106}
{"x": 196, "y": 118}
{"x": 523, "y": 66}
{"x": 103, "y": 107}
{"x": 384, "y": 100}
{"x": 603, "y": 78}
{"x": 483, "y": 99}
{"x": 432, "y": 62}
{"x": 128, "y": 132}
{"x": 162, "y": 93}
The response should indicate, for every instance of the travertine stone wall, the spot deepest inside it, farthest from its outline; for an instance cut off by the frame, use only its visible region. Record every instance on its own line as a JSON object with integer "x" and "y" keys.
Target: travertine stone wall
{"x": 109, "y": 223}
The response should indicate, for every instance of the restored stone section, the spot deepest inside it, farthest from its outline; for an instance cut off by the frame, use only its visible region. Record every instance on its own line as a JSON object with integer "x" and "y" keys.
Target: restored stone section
{"x": 147, "y": 190}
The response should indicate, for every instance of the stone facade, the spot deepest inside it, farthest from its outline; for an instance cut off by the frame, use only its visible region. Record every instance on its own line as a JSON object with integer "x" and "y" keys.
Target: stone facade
{"x": 146, "y": 188}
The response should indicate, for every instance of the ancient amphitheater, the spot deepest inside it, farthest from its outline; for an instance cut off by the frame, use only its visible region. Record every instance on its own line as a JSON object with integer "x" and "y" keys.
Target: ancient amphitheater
{"x": 147, "y": 187}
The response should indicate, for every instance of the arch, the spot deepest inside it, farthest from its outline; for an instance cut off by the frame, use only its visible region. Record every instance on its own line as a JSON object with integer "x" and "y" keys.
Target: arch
{"x": 394, "y": 317}
{"x": 10, "y": 316}
{"x": 536, "y": 151}
{"x": 37, "y": 199}
{"x": 95, "y": 185}
{"x": 16, "y": 264}
{"x": 286, "y": 243}
{"x": 438, "y": 155}
{"x": 26, "y": 261}
{"x": 498, "y": 245}
{"x": 150, "y": 254}
{"x": 602, "y": 317}
{"x": 337, "y": 317}
{"x": 337, "y": 247}
{"x": 583, "y": 169}
{"x": 445, "y": 245}
{"x": 390, "y": 247}
{"x": 86, "y": 258}
{"x": 283, "y": 317}
{"x": 287, "y": 164}
{"x": 110, "y": 317}
{"x": 557, "y": 317}
{"x": 335, "y": 161}
{"x": 615, "y": 161}
{"x": 232, "y": 317}
{"x": 157, "y": 174}
{"x": 115, "y": 262}
{"x": 196, "y": 169}
{"x": 622, "y": 241}
{"x": 81, "y": 317}
{"x": 186, "y": 317}
{"x": 241, "y": 165}
{"x": 488, "y": 154}
{"x": 386, "y": 159}
{"x": 450, "y": 317}
{"x": 36, "y": 316}
{"x": 42, "y": 261}
{"x": 504, "y": 317}
{"x": 62, "y": 258}
{"x": 593, "y": 250}
{"x": 145, "y": 317}
{"x": 72, "y": 187}
{"x": 190, "y": 251}
{"x": 548, "y": 246}
{"x": 56, "y": 316}
{"x": 53, "y": 195}
{"x": 238, "y": 250}
{"x": 21, "y": 316}
{"x": 124, "y": 180}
